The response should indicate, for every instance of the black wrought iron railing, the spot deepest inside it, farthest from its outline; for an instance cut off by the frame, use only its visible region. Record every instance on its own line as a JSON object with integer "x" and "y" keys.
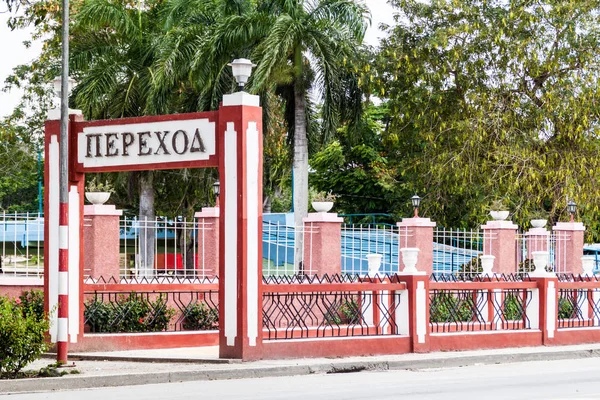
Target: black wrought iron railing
{"x": 478, "y": 309}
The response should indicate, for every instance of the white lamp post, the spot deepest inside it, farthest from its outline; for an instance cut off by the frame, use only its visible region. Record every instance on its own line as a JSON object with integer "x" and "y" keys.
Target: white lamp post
{"x": 242, "y": 69}
{"x": 57, "y": 86}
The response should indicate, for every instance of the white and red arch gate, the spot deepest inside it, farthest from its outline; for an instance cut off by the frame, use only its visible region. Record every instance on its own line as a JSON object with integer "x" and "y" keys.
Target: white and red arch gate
{"x": 230, "y": 139}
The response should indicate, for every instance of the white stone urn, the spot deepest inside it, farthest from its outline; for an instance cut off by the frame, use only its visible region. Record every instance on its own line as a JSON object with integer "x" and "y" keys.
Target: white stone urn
{"x": 538, "y": 223}
{"x": 499, "y": 215}
{"x": 410, "y": 256}
{"x": 540, "y": 260}
{"x": 322, "y": 206}
{"x": 374, "y": 263}
{"x": 587, "y": 263}
{"x": 487, "y": 263}
{"x": 97, "y": 198}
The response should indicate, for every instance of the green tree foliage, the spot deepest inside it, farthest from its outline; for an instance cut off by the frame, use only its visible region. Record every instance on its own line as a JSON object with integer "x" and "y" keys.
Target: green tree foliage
{"x": 495, "y": 97}
{"x": 356, "y": 168}
{"x": 19, "y": 173}
{"x": 277, "y": 36}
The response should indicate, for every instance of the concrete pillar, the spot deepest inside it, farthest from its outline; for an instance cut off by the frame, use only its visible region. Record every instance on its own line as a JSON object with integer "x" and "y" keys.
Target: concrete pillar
{"x": 500, "y": 241}
{"x": 413, "y": 318}
{"x": 538, "y": 239}
{"x": 546, "y": 298}
{"x": 322, "y": 244}
{"x": 208, "y": 242}
{"x": 569, "y": 247}
{"x": 101, "y": 241}
{"x": 240, "y": 258}
{"x": 418, "y": 233}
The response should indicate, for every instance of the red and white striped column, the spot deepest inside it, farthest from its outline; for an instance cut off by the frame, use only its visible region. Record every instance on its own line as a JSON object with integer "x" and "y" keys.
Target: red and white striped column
{"x": 63, "y": 283}
{"x": 62, "y": 252}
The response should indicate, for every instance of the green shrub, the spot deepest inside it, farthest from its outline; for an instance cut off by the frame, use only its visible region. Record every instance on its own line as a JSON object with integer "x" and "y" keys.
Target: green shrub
{"x": 512, "y": 309}
{"x": 448, "y": 307}
{"x": 526, "y": 266}
{"x": 200, "y": 317}
{"x": 347, "y": 313}
{"x": 22, "y": 336}
{"x": 566, "y": 310}
{"x": 472, "y": 267}
{"x": 129, "y": 313}
{"x": 32, "y": 302}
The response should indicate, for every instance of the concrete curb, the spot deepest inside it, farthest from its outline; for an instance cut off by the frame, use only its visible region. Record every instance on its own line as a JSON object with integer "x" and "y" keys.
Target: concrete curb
{"x": 170, "y": 360}
{"x": 73, "y": 382}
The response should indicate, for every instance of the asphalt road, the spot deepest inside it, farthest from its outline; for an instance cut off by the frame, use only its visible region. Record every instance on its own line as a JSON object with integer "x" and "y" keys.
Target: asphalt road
{"x": 566, "y": 379}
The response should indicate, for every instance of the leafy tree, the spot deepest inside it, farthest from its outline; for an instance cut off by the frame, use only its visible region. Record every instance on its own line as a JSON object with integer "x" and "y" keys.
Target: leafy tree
{"x": 329, "y": 31}
{"x": 358, "y": 171}
{"x": 19, "y": 173}
{"x": 495, "y": 98}
{"x": 113, "y": 49}
{"x": 278, "y": 35}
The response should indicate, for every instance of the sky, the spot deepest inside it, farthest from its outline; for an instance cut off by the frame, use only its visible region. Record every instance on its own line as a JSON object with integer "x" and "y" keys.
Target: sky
{"x": 15, "y": 53}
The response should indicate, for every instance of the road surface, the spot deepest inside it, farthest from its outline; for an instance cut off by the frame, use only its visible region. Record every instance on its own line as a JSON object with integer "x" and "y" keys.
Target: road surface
{"x": 566, "y": 379}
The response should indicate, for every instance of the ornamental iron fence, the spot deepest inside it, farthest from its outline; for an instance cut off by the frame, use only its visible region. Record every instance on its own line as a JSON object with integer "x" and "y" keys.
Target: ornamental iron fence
{"x": 161, "y": 304}
{"x": 480, "y": 307}
{"x": 309, "y": 308}
{"x": 578, "y": 303}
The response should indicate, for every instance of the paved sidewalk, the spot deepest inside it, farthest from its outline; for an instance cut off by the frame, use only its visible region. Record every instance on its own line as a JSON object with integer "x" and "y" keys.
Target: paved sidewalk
{"x": 194, "y": 364}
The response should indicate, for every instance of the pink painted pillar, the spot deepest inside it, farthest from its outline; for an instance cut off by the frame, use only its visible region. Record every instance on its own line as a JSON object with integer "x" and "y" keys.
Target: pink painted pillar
{"x": 500, "y": 241}
{"x": 417, "y": 232}
{"x": 208, "y": 242}
{"x": 538, "y": 239}
{"x": 569, "y": 247}
{"x": 101, "y": 257}
{"x": 322, "y": 244}
{"x": 239, "y": 139}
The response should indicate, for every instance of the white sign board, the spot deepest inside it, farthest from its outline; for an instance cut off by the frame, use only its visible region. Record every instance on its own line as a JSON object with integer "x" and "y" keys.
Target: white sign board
{"x": 146, "y": 143}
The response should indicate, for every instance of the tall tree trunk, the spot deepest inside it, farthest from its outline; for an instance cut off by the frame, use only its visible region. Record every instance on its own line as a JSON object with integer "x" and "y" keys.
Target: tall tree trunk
{"x": 187, "y": 243}
{"x": 147, "y": 233}
{"x": 267, "y": 204}
{"x": 300, "y": 170}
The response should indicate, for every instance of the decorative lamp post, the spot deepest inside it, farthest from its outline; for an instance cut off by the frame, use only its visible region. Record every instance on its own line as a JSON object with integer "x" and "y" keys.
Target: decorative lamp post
{"x": 416, "y": 201}
{"x": 571, "y": 208}
{"x": 217, "y": 192}
{"x": 242, "y": 69}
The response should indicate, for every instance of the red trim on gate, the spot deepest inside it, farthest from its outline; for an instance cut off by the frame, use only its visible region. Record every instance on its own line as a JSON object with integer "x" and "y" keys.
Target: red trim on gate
{"x": 149, "y": 287}
{"x": 213, "y": 161}
{"x": 143, "y": 341}
{"x": 330, "y": 287}
{"x": 336, "y": 347}
{"x": 481, "y": 285}
{"x": 475, "y": 341}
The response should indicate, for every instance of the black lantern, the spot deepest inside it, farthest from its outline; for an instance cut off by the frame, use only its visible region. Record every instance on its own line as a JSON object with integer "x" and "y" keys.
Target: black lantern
{"x": 416, "y": 201}
{"x": 217, "y": 192}
{"x": 571, "y": 208}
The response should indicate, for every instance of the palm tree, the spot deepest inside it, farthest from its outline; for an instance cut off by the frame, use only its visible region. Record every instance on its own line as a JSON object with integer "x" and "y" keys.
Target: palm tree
{"x": 129, "y": 61}
{"x": 113, "y": 50}
{"x": 302, "y": 48}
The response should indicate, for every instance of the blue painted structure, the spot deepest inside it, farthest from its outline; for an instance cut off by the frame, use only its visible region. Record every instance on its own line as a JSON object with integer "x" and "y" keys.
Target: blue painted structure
{"x": 593, "y": 250}
{"x": 22, "y": 231}
{"x": 278, "y": 247}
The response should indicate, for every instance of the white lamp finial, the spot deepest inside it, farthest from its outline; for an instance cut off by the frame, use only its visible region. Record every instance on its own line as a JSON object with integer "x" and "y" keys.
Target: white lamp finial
{"x": 242, "y": 69}
{"x": 57, "y": 85}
